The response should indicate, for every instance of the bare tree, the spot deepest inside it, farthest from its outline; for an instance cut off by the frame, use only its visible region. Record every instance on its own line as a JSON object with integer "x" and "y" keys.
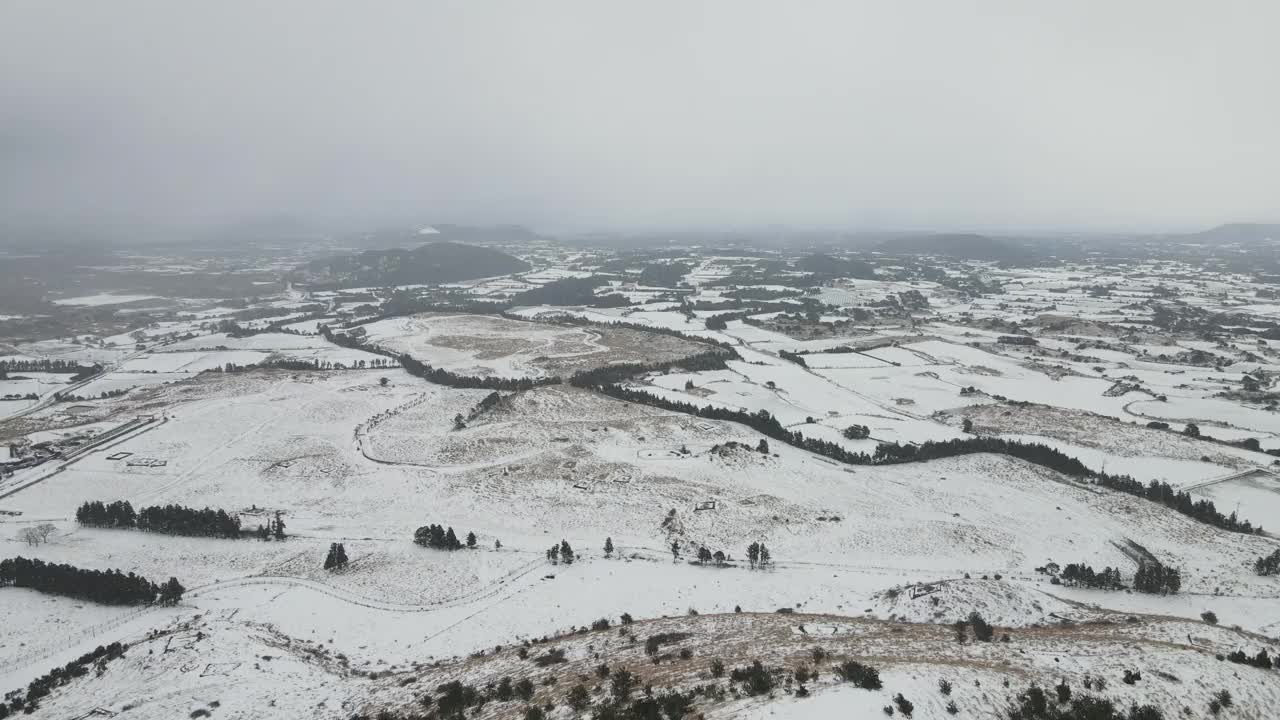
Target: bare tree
{"x": 37, "y": 534}
{"x": 44, "y": 530}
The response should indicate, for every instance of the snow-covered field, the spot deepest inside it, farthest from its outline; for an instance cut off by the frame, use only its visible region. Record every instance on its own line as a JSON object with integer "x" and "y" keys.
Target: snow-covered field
{"x": 484, "y": 345}
{"x": 871, "y": 562}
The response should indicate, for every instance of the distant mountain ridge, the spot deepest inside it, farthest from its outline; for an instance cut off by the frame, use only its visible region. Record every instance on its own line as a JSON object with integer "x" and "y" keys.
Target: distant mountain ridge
{"x": 965, "y": 246}
{"x": 438, "y": 262}
{"x": 822, "y": 264}
{"x": 1239, "y": 232}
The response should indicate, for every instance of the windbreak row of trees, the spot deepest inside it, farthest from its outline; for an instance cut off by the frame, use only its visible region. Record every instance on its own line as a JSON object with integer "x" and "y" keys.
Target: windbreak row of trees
{"x": 1164, "y": 493}
{"x": 622, "y": 324}
{"x": 713, "y": 359}
{"x": 46, "y": 365}
{"x": 440, "y": 376}
{"x": 168, "y": 519}
{"x": 109, "y": 587}
{"x": 890, "y": 453}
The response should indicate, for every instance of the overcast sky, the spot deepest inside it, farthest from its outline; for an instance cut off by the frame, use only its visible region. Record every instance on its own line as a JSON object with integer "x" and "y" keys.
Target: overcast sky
{"x": 954, "y": 113}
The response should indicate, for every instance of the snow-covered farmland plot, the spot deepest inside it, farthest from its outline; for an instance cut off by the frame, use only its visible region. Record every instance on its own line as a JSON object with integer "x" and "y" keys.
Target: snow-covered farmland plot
{"x": 486, "y": 345}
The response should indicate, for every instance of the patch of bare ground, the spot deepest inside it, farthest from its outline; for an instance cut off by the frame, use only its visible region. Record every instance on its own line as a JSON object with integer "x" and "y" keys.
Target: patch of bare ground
{"x": 1166, "y": 650}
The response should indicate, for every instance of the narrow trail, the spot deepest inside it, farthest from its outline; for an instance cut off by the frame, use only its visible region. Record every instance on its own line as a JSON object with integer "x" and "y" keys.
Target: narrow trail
{"x": 488, "y": 590}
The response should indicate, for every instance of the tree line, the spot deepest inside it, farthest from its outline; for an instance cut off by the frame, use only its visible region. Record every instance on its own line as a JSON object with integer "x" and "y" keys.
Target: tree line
{"x": 636, "y": 326}
{"x": 109, "y": 587}
{"x": 38, "y": 689}
{"x": 1181, "y": 501}
{"x": 47, "y": 365}
{"x": 890, "y": 453}
{"x": 444, "y": 377}
{"x": 609, "y": 374}
{"x": 1157, "y": 579}
{"x": 1082, "y": 575}
{"x": 168, "y": 519}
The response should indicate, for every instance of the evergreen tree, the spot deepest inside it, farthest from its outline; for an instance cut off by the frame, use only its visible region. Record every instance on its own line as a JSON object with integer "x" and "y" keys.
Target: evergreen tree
{"x": 704, "y": 555}
{"x": 278, "y": 530}
{"x": 171, "y": 592}
{"x": 471, "y": 540}
{"x": 753, "y": 553}
{"x": 337, "y": 558}
{"x": 1268, "y": 564}
{"x": 608, "y": 547}
{"x": 451, "y": 540}
{"x": 764, "y": 555}
{"x": 763, "y": 446}
{"x": 566, "y": 552}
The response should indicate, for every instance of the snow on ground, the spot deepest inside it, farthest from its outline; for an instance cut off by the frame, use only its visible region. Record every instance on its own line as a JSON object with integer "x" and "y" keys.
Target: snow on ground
{"x": 104, "y": 299}
{"x": 483, "y": 345}
{"x": 887, "y": 556}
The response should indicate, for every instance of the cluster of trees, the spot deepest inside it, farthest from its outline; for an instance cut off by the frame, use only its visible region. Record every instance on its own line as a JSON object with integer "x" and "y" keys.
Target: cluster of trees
{"x": 1085, "y": 576}
{"x": 456, "y": 699}
{"x": 1261, "y": 660}
{"x": 273, "y": 530}
{"x": 668, "y": 274}
{"x": 104, "y": 395}
{"x": 796, "y": 358}
{"x": 758, "y": 555}
{"x": 1162, "y": 492}
{"x": 18, "y": 702}
{"x": 1035, "y": 704}
{"x": 863, "y": 676}
{"x": 436, "y": 536}
{"x": 705, "y": 556}
{"x": 37, "y": 534}
{"x": 856, "y": 432}
{"x": 983, "y": 631}
{"x": 562, "y": 552}
{"x": 110, "y": 587}
{"x": 1156, "y": 578}
{"x": 114, "y": 514}
{"x": 169, "y": 519}
{"x": 1268, "y": 564}
{"x": 337, "y": 557}
{"x": 564, "y": 292}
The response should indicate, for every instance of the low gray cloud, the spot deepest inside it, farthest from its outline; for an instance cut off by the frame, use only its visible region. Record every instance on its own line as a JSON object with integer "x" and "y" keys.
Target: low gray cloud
{"x": 1137, "y": 114}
